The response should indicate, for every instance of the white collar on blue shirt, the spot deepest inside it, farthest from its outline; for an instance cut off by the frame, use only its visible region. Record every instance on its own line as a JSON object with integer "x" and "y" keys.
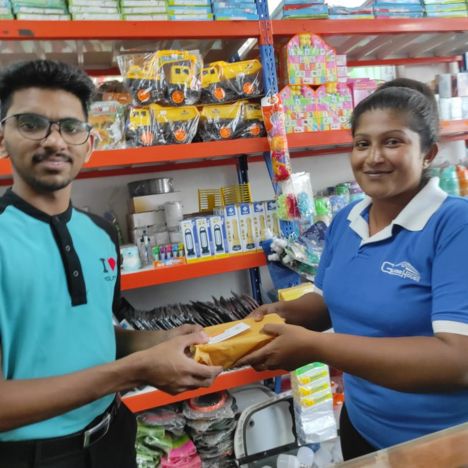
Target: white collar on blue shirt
{"x": 413, "y": 217}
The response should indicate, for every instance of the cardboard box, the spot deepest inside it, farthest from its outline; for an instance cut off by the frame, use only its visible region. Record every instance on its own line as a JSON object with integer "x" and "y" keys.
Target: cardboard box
{"x": 246, "y": 227}
{"x": 147, "y": 218}
{"x": 189, "y": 234}
{"x": 218, "y": 233}
{"x": 259, "y": 223}
{"x": 231, "y": 222}
{"x": 271, "y": 218}
{"x": 203, "y": 233}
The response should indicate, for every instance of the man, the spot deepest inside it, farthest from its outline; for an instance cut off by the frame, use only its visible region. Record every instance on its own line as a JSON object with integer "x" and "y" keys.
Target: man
{"x": 59, "y": 281}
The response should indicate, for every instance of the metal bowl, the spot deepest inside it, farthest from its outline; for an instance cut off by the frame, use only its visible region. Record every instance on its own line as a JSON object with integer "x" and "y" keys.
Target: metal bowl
{"x": 157, "y": 185}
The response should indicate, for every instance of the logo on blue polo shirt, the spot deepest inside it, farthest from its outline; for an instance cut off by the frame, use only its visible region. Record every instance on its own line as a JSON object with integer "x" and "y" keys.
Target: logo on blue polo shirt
{"x": 402, "y": 269}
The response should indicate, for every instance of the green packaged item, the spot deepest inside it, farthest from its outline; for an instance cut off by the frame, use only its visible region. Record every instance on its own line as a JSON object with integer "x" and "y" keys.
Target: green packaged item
{"x": 202, "y": 3}
{"x": 145, "y": 17}
{"x": 94, "y": 10}
{"x": 143, "y": 10}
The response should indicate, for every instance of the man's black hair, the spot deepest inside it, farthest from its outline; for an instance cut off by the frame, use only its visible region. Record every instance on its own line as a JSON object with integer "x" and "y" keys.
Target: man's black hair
{"x": 44, "y": 74}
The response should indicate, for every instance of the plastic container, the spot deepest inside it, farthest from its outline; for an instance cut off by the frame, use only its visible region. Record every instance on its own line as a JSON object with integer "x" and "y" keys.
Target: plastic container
{"x": 449, "y": 181}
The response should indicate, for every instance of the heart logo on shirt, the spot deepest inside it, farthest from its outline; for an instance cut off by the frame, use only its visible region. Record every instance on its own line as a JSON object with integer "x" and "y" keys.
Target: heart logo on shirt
{"x": 111, "y": 262}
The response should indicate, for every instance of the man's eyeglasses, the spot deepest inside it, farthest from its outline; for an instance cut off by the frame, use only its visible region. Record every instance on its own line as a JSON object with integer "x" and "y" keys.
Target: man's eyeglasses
{"x": 37, "y": 127}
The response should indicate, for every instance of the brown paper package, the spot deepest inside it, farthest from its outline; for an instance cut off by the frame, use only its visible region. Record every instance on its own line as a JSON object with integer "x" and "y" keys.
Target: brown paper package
{"x": 226, "y": 353}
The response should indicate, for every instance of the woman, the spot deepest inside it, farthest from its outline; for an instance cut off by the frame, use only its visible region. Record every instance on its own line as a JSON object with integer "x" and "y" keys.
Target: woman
{"x": 393, "y": 283}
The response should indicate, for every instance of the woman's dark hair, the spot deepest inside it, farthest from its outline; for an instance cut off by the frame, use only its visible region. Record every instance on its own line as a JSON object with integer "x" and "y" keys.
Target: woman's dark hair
{"x": 45, "y": 74}
{"x": 408, "y": 97}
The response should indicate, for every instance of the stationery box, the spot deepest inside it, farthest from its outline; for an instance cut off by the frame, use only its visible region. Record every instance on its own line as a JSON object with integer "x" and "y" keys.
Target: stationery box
{"x": 203, "y": 233}
{"x": 218, "y": 233}
{"x": 231, "y": 223}
{"x": 189, "y": 235}
{"x": 247, "y": 227}
{"x": 259, "y": 223}
{"x": 271, "y": 218}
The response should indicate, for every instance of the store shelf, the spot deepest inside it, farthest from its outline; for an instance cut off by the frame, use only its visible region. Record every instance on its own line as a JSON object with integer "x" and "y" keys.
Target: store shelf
{"x": 226, "y": 380}
{"x": 20, "y": 30}
{"x": 202, "y": 154}
{"x": 198, "y": 269}
{"x": 378, "y": 41}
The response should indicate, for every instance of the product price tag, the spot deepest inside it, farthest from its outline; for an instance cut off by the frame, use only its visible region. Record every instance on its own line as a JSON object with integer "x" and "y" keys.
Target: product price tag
{"x": 229, "y": 333}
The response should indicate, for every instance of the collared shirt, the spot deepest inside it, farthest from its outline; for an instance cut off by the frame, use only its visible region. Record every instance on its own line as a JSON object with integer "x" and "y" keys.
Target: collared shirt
{"x": 59, "y": 283}
{"x": 409, "y": 279}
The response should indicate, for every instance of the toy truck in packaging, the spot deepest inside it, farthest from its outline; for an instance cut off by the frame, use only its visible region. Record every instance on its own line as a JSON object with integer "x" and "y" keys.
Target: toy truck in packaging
{"x": 223, "y": 81}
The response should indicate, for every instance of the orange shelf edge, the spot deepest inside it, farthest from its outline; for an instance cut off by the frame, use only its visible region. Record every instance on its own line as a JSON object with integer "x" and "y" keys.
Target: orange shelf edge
{"x": 122, "y": 30}
{"x": 226, "y": 380}
{"x": 107, "y": 159}
{"x": 155, "y": 276}
{"x": 368, "y": 26}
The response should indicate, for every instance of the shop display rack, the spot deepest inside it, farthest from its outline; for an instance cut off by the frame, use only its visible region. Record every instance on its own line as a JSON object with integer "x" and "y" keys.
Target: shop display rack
{"x": 94, "y": 45}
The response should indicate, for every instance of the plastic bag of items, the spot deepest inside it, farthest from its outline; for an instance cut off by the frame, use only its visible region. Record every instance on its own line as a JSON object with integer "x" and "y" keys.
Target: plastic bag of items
{"x": 157, "y": 125}
{"x": 241, "y": 119}
{"x": 108, "y": 121}
{"x": 167, "y": 76}
{"x": 223, "y": 82}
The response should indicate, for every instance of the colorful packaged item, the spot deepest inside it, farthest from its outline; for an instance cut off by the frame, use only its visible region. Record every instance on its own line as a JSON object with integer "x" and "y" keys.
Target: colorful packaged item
{"x": 307, "y": 59}
{"x": 224, "y": 82}
{"x": 274, "y": 119}
{"x": 233, "y": 340}
{"x": 167, "y": 76}
{"x": 108, "y": 120}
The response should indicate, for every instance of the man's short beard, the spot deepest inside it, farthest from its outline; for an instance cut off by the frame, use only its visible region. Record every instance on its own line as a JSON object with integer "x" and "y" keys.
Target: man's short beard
{"x": 48, "y": 187}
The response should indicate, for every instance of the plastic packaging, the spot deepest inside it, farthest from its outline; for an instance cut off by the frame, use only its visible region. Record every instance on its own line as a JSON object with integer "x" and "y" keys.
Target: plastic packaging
{"x": 167, "y": 76}
{"x": 108, "y": 121}
{"x": 225, "y": 82}
{"x": 157, "y": 125}
{"x": 274, "y": 118}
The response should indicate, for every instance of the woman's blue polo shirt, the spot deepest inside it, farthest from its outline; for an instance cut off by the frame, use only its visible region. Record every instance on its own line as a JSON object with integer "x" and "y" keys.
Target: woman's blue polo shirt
{"x": 410, "y": 279}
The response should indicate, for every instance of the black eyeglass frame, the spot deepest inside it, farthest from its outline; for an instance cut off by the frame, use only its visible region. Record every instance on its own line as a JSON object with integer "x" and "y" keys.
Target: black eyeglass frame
{"x": 88, "y": 127}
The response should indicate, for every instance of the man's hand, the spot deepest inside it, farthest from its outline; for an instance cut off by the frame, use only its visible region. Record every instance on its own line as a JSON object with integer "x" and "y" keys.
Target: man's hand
{"x": 169, "y": 367}
{"x": 286, "y": 351}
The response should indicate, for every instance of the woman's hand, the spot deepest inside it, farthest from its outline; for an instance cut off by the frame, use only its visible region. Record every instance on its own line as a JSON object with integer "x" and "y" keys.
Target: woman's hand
{"x": 289, "y": 349}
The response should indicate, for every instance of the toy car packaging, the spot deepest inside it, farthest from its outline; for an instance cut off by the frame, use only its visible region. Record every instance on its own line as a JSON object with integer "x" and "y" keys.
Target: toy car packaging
{"x": 225, "y": 82}
{"x": 140, "y": 129}
{"x": 251, "y": 124}
{"x": 108, "y": 121}
{"x": 175, "y": 124}
{"x": 220, "y": 122}
{"x": 167, "y": 76}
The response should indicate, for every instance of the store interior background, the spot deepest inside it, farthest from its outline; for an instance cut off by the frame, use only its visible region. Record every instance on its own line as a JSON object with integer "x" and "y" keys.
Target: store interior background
{"x": 104, "y": 193}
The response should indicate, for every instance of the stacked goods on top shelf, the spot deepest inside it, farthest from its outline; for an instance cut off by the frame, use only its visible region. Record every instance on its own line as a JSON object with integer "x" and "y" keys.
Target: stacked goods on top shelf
{"x": 446, "y": 8}
{"x": 144, "y": 10}
{"x": 234, "y": 10}
{"x": 5, "y": 10}
{"x": 342, "y": 11}
{"x": 189, "y": 10}
{"x": 89, "y": 10}
{"x": 398, "y": 9}
{"x": 40, "y": 9}
{"x": 315, "y": 9}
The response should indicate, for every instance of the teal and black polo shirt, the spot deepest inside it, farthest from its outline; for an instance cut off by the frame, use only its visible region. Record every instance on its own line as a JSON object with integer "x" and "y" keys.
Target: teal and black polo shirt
{"x": 59, "y": 279}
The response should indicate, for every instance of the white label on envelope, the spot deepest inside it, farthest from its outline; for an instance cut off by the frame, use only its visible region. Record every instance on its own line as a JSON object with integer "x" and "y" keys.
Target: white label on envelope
{"x": 229, "y": 333}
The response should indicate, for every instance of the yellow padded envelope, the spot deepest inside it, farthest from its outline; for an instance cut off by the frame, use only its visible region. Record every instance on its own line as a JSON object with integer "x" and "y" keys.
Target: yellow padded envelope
{"x": 226, "y": 353}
